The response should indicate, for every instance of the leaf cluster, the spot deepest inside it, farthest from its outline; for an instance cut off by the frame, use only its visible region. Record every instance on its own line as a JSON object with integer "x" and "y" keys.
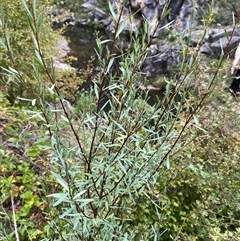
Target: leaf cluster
{"x": 24, "y": 177}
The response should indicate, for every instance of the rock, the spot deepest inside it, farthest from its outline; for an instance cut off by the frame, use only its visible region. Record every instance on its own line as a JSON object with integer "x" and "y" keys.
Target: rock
{"x": 162, "y": 62}
{"x": 152, "y": 11}
{"x": 81, "y": 22}
{"x": 223, "y": 44}
{"x": 57, "y": 12}
{"x": 196, "y": 36}
{"x": 89, "y": 4}
{"x": 237, "y": 31}
{"x": 106, "y": 22}
{"x": 61, "y": 18}
{"x": 62, "y": 66}
{"x": 218, "y": 33}
{"x": 206, "y": 49}
{"x": 184, "y": 13}
{"x": 161, "y": 58}
{"x": 215, "y": 36}
{"x": 60, "y": 52}
{"x": 217, "y": 40}
{"x": 150, "y": 3}
{"x": 99, "y": 14}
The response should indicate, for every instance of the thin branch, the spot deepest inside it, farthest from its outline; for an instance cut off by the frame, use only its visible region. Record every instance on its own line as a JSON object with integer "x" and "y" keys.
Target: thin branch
{"x": 14, "y": 219}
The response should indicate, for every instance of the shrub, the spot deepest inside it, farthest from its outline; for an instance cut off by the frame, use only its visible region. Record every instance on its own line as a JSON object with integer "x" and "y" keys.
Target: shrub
{"x": 24, "y": 171}
{"x": 114, "y": 165}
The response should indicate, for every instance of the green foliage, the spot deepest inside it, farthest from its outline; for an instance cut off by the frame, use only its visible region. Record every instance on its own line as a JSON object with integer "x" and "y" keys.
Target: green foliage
{"x": 114, "y": 167}
{"x": 15, "y": 29}
{"x": 199, "y": 196}
{"x": 85, "y": 103}
{"x": 226, "y": 10}
{"x": 23, "y": 174}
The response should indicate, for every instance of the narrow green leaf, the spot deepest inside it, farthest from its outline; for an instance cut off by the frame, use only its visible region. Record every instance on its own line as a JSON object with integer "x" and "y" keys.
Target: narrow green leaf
{"x": 61, "y": 181}
{"x": 198, "y": 127}
{"x": 3, "y": 44}
{"x": 39, "y": 22}
{"x": 105, "y": 41}
{"x": 41, "y": 140}
{"x": 85, "y": 225}
{"x": 167, "y": 25}
{"x": 203, "y": 35}
{"x": 226, "y": 34}
{"x": 64, "y": 118}
{"x": 24, "y": 99}
{"x": 120, "y": 29}
{"x": 114, "y": 16}
{"x": 166, "y": 13}
{"x": 27, "y": 9}
{"x": 30, "y": 22}
{"x": 122, "y": 167}
{"x": 110, "y": 64}
{"x": 75, "y": 223}
{"x": 79, "y": 194}
{"x": 119, "y": 126}
{"x": 96, "y": 90}
{"x": 7, "y": 36}
{"x": 192, "y": 167}
{"x": 61, "y": 197}
{"x": 36, "y": 114}
{"x": 38, "y": 58}
{"x": 34, "y": 9}
{"x": 33, "y": 102}
{"x": 60, "y": 157}
{"x": 233, "y": 18}
{"x": 51, "y": 89}
{"x": 168, "y": 163}
{"x": 69, "y": 212}
{"x": 35, "y": 42}
{"x": 85, "y": 201}
{"x": 184, "y": 52}
{"x": 195, "y": 120}
{"x": 13, "y": 70}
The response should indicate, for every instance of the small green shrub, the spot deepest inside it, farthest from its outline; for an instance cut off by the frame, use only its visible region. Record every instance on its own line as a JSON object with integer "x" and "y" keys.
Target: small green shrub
{"x": 23, "y": 174}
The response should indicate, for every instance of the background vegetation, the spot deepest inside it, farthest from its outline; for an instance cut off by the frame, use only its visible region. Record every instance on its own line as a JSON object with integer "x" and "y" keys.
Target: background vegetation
{"x": 112, "y": 167}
